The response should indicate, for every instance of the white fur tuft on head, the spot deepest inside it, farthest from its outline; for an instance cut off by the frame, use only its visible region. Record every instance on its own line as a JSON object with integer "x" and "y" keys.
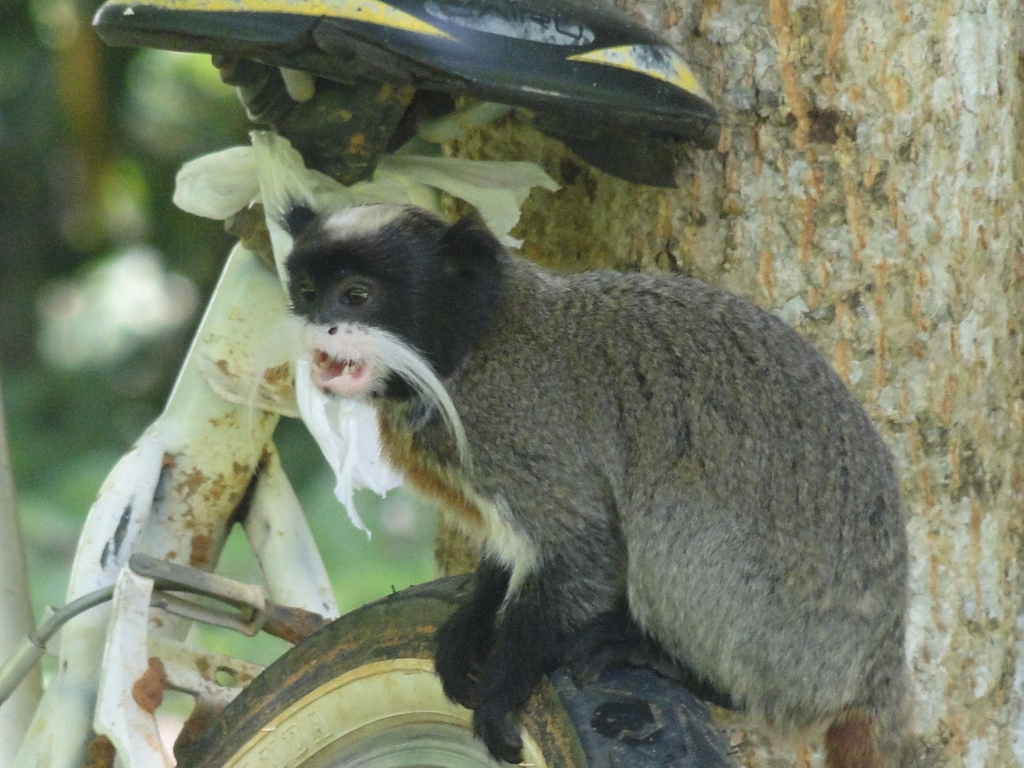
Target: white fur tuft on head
{"x": 361, "y": 219}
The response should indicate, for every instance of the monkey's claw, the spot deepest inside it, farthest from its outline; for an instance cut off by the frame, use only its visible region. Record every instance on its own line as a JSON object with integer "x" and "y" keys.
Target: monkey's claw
{"x": 500, "y": 732}
{"x": 460, "y": 686}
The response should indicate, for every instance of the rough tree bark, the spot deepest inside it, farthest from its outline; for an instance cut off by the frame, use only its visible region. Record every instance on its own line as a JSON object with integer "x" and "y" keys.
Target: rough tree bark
{"x": 868, "y": 188}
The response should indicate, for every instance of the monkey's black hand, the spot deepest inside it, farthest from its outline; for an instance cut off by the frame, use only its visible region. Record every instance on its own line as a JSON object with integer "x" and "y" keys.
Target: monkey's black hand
{"x": 463, "y": 640}
{"x": 499, "y": 729}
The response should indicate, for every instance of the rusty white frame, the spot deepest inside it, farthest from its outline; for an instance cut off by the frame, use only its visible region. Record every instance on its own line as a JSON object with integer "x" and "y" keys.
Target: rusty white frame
{"x": 173, "y": 496}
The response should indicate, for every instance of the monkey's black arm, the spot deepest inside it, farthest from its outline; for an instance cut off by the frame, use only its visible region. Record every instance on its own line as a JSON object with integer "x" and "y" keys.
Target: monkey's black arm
{"x": 526, "y": 646}
{"x": 529, "y": 640}
{"x": 463, "y": 640}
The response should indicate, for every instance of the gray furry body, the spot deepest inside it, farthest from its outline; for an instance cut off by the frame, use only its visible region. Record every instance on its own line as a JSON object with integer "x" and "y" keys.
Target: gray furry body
{"x": 644, "y": 449}
{"x": 665, "y": 439}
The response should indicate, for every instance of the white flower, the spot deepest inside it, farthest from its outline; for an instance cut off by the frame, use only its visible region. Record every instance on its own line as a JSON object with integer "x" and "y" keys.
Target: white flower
{"x": 272, "y": 172}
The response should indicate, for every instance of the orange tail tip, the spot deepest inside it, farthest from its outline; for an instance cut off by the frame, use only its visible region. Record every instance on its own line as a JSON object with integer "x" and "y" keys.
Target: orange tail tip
{"x": 852, "y": 742}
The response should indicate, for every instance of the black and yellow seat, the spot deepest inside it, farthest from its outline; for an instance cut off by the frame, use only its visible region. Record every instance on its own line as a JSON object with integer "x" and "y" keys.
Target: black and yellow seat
{"x": 613, "y": 91}
{"x": 361, "y": 692}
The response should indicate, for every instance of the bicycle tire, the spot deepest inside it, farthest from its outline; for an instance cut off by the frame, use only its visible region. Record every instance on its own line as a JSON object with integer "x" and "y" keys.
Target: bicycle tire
{"x": 361, "y": 693}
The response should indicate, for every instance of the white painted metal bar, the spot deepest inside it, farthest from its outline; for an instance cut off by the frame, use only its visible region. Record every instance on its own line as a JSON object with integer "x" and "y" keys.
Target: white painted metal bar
{"x": 172, "y": 496}
{"x": 284, "y": 546}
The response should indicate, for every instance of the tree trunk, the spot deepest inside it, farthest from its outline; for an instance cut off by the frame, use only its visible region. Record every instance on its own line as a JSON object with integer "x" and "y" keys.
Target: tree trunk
{"x": 868, "y": 189}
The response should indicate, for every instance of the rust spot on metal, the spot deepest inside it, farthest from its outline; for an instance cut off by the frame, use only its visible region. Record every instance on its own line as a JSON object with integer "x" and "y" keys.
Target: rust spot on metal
{"x": 203, "y": 666}
{"x": 251, "y": 476}
{"x": 202, "y": 543}
{"x": 99, "y": 753}
{"x": 281, "y": 374}
{"x": 293, "y": 625}
{"x": 215, "y": 489}
{"x": 226, "y": 421}
{"x": 148, "y": 691}
{"x": 191, "y": 482}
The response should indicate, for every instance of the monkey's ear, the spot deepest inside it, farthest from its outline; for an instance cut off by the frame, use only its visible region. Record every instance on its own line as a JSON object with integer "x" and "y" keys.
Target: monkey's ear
{"x": 298, "y": 218}
{"x": 468, "y": 246}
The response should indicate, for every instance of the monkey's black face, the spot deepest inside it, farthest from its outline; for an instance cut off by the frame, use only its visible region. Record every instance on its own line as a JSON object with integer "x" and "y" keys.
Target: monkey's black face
{"x": 373, "y": 279}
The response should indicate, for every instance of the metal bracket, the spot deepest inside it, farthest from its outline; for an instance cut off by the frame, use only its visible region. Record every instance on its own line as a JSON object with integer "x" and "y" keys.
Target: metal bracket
{"x": 247, "y": 600}
{"x": 252, "y": 611}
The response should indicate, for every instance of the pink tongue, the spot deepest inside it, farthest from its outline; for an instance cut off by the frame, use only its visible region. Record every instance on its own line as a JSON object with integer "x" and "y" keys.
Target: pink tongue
{"x": 335, "y": 368}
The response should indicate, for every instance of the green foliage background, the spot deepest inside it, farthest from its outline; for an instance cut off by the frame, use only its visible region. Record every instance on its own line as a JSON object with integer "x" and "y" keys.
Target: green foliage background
{"x": 90, "y": 140}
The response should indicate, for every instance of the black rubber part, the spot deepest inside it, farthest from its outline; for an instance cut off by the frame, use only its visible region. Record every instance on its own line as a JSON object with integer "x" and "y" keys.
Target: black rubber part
{"x": 628, "y": 717}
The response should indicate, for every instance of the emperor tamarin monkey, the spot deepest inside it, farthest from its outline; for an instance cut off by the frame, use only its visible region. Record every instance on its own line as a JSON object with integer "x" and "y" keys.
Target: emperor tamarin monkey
{"x": 637, "y": 456}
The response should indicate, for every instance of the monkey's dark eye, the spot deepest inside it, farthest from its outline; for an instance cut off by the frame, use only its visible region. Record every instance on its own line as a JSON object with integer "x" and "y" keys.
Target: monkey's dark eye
{"x": 356, "y": 295}
{"x": 305, "y": 287}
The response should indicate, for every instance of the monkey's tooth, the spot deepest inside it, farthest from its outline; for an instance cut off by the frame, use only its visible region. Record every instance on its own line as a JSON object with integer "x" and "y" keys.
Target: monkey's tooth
{"x": 332, "y": 367}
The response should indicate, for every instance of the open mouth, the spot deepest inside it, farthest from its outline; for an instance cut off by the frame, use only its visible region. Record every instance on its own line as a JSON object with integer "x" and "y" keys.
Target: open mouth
{"x": 340, "y": 376}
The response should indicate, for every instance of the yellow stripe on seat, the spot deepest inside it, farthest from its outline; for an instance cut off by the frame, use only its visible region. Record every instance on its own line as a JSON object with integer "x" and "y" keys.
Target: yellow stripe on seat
{"x": 369, "y": 11}
{"x": 657, "y": 62}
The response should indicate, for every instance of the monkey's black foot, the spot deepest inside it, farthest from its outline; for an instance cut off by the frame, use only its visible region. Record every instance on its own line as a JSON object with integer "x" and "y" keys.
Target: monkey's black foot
{"x": 499, "y": 730}
{"x": 609, "y": 640}
{"x": 457, "y": 663}
{"x": 613, "y": 639}
{"x": 461, "y": 647}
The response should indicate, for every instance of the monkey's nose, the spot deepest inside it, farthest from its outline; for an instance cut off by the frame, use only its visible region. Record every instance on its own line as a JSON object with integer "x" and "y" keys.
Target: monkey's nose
{"x": 332, "y": 330}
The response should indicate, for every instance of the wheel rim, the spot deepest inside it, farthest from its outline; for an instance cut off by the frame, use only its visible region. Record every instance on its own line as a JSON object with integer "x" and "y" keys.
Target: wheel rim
{"x": 386, "y": 714}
